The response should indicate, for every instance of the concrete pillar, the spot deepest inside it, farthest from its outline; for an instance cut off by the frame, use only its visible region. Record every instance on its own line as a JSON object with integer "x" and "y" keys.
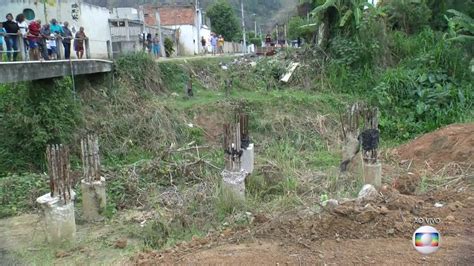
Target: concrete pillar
{"x": 88, "y": 48}
{"x": 373, "y": 174}
{"x": 93, "y": 199}
{"x": 59, "y": 219}
{"x": 21, "y": 47}
{"x": 248, "y": 156}
{"x": 234, "y": 182}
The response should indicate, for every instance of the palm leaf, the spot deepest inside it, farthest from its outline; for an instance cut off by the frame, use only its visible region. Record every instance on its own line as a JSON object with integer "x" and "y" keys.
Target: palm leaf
{"x": 322, "y": 8}
{"x": 462, "y": 38}
{"x": 345, "y": 18}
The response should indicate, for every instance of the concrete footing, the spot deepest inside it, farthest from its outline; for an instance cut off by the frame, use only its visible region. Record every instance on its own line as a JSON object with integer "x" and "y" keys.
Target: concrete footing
{"x": 373, "y": 174}
{"x": 234, "y": 182}
{"x": 59, "y": 219}
{"x": 93, "y": 199}
{"x": 248, "y": 159}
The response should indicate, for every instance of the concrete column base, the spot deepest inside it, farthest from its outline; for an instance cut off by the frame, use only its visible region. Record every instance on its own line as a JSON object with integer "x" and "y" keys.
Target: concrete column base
{"x": 373, "y": 174}
{"x": 59, "y": 219}
{"x": 93, "y": 199}
{"x": 248, "y": 159}
{"x": 234, "y": 182}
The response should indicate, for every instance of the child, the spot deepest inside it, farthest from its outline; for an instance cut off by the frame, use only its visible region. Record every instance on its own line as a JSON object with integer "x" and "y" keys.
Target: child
{"x": 2, "y": 33}
{"x": 51, "y": 46}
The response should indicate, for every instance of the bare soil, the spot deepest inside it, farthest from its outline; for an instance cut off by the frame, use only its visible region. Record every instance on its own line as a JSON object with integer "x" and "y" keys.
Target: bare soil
{"x": 375, "y": 233}
{"x": 435, "y": 150}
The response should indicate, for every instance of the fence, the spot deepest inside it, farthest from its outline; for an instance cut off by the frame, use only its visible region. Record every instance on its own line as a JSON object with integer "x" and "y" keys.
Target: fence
{"x": 20, "y": 47}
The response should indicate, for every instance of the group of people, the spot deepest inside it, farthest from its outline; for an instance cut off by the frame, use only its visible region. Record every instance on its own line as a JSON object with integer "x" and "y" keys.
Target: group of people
{"x": 40, "y": 41}
{"x": 216, "y": 44}
{"x": 152, "y": 44}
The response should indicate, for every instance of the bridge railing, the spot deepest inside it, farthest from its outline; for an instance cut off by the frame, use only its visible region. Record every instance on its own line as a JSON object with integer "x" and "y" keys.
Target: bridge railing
{"x": 20, "y": 46}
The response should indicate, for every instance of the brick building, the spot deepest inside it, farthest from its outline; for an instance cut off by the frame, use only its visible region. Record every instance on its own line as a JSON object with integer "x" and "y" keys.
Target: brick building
{"x": 185, "y": 19}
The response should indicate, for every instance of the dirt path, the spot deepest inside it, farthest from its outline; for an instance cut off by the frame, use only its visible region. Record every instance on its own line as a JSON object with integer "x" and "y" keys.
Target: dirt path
{"x": 348, "y": 235}
{"x": 456, "y": 250}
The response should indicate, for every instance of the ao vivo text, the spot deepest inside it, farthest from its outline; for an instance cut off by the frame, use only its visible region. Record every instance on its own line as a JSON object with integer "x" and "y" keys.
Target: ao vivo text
{"x": 427, "y": 220}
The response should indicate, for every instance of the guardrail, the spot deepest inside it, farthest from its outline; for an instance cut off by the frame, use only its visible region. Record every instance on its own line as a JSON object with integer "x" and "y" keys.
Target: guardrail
{"x": 22, "y": 49}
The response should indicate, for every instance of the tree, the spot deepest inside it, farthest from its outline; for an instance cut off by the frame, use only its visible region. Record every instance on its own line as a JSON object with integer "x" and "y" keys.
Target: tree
{"x": 223, "y": 19}
{"x": 407, "y": 15}
{"x": 294, "y": 27}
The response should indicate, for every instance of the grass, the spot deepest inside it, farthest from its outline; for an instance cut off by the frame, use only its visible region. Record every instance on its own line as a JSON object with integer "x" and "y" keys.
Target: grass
{"x": 295, "y": 132}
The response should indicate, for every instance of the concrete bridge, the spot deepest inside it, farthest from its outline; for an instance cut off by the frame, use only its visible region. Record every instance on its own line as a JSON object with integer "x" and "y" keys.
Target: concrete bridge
{"x": 34, "y": 70}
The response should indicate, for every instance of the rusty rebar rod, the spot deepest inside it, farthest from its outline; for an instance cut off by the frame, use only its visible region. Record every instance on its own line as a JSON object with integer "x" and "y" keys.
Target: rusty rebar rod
{"x": 58, "y": 171}
{"x": 90, "y": 158}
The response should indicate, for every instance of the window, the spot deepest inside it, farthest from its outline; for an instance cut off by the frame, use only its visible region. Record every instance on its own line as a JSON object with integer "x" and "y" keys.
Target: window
{"x": 29, "y": 13}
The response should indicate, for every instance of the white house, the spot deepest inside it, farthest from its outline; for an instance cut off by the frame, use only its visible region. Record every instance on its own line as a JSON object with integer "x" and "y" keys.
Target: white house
{"x": 94, "y": 19}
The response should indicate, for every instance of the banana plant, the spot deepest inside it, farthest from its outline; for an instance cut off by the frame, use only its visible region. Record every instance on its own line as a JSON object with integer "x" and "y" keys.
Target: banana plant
{"x": 460, "y": 27}
{"x": 349, "y": 11}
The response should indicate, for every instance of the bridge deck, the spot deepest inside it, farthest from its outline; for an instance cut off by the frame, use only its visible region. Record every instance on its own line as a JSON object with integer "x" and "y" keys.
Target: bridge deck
{"x": 34, "y": 70}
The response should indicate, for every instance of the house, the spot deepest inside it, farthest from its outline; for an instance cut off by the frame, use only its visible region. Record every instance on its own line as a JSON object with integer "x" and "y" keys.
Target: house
{"x": 127, "y": 29}
{"x": 94, "y": 19}
{"x": 185, "y": 19}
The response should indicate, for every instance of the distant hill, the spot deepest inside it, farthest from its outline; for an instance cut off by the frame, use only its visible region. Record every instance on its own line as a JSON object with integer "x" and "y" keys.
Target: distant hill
{"x": 267, "y": 12}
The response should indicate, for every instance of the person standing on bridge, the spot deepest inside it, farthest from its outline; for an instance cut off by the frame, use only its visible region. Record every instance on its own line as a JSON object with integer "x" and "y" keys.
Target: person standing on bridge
{"x": 45, "y": 35}
{"x": 21, "y": 21}
{"x": 67, "y": 37}
{"x": 2, "y": 34}
{"x": 34, "y": 39}
{"x": 79, "y": 42}
{"x": 55, "y": 27}
{"x": 11, "y": 39}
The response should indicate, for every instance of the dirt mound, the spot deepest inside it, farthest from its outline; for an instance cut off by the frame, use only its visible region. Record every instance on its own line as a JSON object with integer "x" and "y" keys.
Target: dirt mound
{"x": 454, "y": 143}
{"x": 317, "y": 236}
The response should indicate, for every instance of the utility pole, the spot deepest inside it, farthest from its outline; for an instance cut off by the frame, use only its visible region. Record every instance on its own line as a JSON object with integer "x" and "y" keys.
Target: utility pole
{"x": 286, "y": 38}
{"x": 162, "y": 42}
{"x": 45, "y": 12}
{"x": 198, "y": 26}
{"x": 255, "y": 27}
{"x": 255, "y": 21}
{"x": 243, "y": 27}
{"x": 278, "y": 35}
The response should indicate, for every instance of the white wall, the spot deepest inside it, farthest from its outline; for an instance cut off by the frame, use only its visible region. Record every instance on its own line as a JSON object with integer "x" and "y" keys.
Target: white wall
{"x": 95, "y": 21}
{"x": 93, "y": 18}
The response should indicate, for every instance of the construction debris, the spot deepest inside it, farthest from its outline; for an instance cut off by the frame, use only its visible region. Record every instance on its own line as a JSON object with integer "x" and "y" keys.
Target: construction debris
{"x": 289, "y": 73}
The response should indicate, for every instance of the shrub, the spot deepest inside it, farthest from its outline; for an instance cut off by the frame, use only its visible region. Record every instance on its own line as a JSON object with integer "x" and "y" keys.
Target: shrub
{"x": 414, "y": 101}
{"x": 33, "y": 115}
{"x": 18, "y": 193}
{"x": 139, "y": 70}
{"x": 169, "y": 50}
{"x": 407, "y": 15}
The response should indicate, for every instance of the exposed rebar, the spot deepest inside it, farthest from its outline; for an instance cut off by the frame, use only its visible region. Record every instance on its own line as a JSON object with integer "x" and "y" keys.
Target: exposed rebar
{"x": 91, "y": 158}
{"x": 58, "y": 171}
{"x": 370, "y": 135}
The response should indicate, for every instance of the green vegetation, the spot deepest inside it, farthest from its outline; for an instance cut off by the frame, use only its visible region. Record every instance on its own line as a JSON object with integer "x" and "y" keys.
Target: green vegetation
{"x": 169, "y": 50}
{"x": 33, "y": 115}
{"x": 420, "y": 78}
{"x": 224, "y": 20}
{"x": 161, "y": 151}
